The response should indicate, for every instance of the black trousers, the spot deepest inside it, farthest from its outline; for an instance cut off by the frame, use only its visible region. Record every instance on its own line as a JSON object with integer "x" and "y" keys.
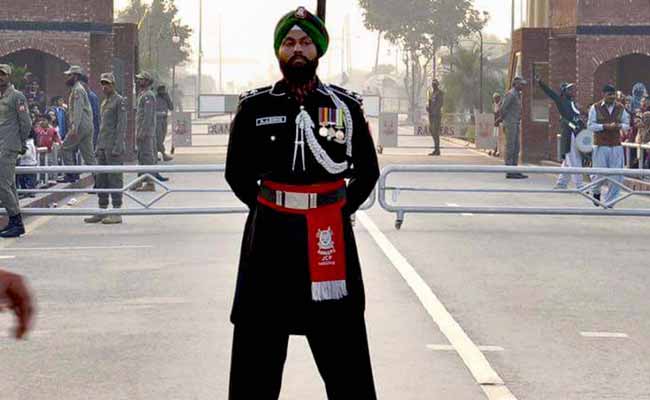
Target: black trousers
{"x": 339, "y": 347}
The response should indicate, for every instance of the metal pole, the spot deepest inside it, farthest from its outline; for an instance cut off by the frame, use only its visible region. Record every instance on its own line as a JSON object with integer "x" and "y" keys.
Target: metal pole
{"x": 220, "y": 54}
{"x": 174, "y": 85}
{"x": 198, "y": 85}
{"x": 512, "y": 29}
{"x": 322, "y": 8}
{"x": 481, "y": 75}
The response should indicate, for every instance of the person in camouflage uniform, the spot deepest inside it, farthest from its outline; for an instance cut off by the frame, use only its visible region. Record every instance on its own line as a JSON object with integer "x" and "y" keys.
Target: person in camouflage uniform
{"x": 15, "y": 125}
{"x": 110, "y": 148}
{"x": 145, "y": 126}
{"x": 80, "y": 132}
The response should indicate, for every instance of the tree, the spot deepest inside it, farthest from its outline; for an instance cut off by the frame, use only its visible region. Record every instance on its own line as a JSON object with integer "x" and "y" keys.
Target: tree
{"x": 461, "y": 83}
{"x": 421, "y": 28}
{"x": 157, "y": 25}
{"x": 18, "y": 76}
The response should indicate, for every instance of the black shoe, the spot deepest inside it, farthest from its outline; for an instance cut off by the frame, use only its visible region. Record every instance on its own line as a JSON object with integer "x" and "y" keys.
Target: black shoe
{"x": 161, "y": 178}
{"x": 14, "y": 228}
{"x": 597, "y": 197}
{"x": 435, "y": 153}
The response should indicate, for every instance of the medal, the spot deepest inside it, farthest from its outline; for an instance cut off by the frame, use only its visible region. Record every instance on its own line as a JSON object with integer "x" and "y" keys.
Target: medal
{"x": 322, "y": 131}
{"x": 340, "y": 134}
{"x": 331, "y": 133}
{"x": 323, "y": 116}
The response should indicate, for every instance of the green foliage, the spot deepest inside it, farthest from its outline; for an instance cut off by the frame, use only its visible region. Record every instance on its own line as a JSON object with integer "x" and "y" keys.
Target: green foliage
{"x": 158, "y": 23}
{"x": 17, "y": 75}
{"x": 462, "y": 82}
{"x": 421, "y": 28}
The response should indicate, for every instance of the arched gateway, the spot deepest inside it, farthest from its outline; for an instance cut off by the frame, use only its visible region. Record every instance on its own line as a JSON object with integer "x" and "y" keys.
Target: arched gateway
{"x": 47, "y": 36}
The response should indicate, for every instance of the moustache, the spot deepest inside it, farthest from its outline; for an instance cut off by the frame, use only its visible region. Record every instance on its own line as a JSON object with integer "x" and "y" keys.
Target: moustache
{"x": 298, "y": 57}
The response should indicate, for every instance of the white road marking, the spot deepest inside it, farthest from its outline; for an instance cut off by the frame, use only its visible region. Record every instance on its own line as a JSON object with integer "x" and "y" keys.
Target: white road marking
{"x": 448, "y": 347}
{"x": 463, "y": 214}
{"x": 80, "y": 248}
{"x": 473, "y": 358}
{"x": 7, "y": 257}
{"x": 604, "y": 335}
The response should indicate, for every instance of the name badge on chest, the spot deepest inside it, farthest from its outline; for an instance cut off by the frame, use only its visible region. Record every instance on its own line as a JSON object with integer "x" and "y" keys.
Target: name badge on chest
{"x": 271, "y": 121}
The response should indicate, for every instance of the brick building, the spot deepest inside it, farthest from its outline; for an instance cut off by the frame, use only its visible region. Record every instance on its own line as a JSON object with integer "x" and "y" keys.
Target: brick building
{"x": 589, "y": 42}
{"x": 48, "y": 36}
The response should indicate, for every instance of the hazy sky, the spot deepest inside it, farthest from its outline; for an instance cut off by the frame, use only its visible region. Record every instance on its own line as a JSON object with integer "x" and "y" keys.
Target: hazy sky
{"x": 248, "y": 34}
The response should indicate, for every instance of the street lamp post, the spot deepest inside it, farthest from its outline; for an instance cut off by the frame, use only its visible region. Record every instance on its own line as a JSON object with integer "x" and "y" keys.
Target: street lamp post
{"x": 176, "y": 40}
{"x": 480, "y": 34}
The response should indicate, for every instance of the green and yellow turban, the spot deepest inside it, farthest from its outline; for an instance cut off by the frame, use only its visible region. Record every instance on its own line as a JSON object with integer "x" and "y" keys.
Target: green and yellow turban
{"x": 308, "y": 22}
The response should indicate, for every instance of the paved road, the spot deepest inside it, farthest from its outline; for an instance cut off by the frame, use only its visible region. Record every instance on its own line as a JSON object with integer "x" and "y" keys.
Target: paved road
{"x": 557, "y": 306}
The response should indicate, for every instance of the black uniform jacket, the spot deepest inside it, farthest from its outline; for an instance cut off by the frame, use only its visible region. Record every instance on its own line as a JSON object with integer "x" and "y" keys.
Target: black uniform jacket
{"x": 273, "y": 283}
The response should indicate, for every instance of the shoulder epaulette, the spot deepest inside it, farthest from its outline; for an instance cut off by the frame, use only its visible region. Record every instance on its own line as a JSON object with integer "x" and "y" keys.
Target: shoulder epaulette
{"x": 348, "y": 93}
{"x": 255, "y": 92}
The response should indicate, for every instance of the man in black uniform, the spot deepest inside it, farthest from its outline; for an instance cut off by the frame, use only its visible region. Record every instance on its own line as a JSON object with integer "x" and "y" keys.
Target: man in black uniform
{"x": 299, "y": 271}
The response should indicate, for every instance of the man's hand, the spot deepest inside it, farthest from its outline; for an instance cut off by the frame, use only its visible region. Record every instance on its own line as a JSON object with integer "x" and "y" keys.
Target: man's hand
{"x": 23, "y": 149}
{"x": 15, "y": 296}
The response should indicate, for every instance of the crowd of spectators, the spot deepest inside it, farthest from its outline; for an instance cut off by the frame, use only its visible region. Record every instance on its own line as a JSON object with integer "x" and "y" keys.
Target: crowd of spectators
{"x": 637, "y": 105}
{"x": 49, "y": 127}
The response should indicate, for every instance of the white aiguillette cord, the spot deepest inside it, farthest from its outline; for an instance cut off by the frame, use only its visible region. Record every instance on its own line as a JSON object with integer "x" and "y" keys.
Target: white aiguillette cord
{"x": 303, "y": 122}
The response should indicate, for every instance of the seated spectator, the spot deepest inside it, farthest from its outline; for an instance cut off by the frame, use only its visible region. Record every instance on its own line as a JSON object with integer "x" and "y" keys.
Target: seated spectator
{"x": 46, "y": 135}
{"x": 29, "y": 159}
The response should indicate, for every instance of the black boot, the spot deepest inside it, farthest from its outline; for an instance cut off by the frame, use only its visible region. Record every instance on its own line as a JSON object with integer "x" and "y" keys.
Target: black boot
{"x": 14, "y": 228}
{"x": 161, "y": 178}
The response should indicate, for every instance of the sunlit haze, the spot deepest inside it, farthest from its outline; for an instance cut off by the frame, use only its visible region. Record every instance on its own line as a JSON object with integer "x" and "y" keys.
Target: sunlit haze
{"x": 248, "y": 57}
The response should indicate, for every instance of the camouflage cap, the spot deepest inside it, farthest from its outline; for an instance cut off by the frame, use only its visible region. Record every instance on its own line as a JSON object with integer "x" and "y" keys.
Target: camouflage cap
{"x": 107, "y": 77}
{"x": 144, "y": 75}
{"x": 5, "y": 68}
{"x": 74, "y": 69}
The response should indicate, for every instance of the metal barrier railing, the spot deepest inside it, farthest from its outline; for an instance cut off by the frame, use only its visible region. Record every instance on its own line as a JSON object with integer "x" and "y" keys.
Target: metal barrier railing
{"x": 640, "y": 153}
{"x": 147, "y": 207}
{"x": 603, "y": 176}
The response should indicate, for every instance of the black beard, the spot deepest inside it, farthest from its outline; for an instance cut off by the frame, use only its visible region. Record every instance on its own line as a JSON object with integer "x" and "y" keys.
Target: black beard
{"x": 299, "y": 75}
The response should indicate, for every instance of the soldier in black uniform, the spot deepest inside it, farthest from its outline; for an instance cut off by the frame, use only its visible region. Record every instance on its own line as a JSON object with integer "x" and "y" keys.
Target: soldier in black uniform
{"x": 292, "y": 145}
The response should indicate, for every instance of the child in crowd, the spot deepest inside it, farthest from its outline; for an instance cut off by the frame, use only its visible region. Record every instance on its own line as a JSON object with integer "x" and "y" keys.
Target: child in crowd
{"x": 46, "y": 134}
{"x": 29, "y": 159}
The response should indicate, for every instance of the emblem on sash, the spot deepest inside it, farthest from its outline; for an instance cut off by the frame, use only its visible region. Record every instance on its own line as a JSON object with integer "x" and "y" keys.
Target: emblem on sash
{"x": 326, "y": 246}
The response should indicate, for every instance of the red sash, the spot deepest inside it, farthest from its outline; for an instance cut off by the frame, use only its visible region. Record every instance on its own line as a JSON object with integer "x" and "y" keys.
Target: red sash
{"x": 326, "y": 244}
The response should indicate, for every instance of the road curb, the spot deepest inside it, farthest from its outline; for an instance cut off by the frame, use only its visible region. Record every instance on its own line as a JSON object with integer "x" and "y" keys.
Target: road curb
{"x": 46, "y": 200}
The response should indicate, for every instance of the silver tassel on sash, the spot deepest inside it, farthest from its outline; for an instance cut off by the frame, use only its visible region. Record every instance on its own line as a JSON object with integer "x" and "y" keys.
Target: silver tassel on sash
{"x": 303, "y": 122}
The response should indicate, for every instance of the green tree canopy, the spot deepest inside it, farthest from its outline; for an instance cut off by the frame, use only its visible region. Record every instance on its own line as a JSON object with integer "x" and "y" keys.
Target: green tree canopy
{"x": 421, "y": 28}
{"x": 463, "y": 80}
{"x": 158, "y": 23}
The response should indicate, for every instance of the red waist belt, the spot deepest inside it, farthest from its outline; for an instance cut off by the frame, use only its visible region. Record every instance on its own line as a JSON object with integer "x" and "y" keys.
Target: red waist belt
{"x": 321, "y": 204}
